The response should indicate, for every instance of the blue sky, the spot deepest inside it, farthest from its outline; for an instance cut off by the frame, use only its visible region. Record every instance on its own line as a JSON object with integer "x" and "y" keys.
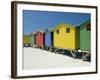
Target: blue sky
{"x": 35, "y": 20}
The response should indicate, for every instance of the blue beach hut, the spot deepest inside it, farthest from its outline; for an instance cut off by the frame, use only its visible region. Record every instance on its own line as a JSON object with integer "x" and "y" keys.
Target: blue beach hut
{"x": 48, "y": 39}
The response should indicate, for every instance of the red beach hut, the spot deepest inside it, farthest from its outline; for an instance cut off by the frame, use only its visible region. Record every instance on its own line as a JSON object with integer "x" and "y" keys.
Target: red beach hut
{"x": 40, "y": 37}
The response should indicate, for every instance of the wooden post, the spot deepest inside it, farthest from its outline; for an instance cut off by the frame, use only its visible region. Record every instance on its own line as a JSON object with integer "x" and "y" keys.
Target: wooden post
{"x": 73, "y": 53}
{"x": 85, "y": 55}
{"x": 63, "y": 52}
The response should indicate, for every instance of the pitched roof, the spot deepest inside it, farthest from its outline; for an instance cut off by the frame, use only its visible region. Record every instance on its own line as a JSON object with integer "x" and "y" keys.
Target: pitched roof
{"x": 63, "y": 24}
{"x": 40, "y": 30}
{"x": 33, "y": 33}
{"x": 84, "y": 22}
{"x": 48, "y": 30}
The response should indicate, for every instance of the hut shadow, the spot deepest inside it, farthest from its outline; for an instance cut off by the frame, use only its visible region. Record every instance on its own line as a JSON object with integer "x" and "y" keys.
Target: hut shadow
{"x": 78, "y": 55}
{"x": 67, "y": 53}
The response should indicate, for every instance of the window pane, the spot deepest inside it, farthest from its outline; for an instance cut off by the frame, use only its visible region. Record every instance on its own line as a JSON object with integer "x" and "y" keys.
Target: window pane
{"x": 68, "y": 30}
{"x": 88, "y": 27}
{"x": 57, "y": 31}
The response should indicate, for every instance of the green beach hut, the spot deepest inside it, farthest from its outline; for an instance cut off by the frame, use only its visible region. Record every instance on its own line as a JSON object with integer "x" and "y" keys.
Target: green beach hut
{"x": 32, "y": 39}
{"x": 85, "y": 36}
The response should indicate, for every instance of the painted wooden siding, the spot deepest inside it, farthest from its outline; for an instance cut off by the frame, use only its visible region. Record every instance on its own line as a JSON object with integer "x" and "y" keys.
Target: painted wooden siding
{"x": 77, "y": 39}
{"x": 48, "y": 38}
{"x": 63, "y": 39}
{"x": 85, "y": 37}
{"x": 32, "y": 40}
{"x": 40, "y": 39}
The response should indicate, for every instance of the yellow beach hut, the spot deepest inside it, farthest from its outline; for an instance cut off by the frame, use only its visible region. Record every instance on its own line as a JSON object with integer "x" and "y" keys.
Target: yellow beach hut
{"x": 66, "y": 36}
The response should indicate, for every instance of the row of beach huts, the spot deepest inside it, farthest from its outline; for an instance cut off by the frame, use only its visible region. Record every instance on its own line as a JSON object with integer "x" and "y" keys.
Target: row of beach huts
{"x": 65, "y": 37}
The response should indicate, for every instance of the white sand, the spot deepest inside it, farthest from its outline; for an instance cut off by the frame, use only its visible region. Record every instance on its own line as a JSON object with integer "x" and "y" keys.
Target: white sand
{"x": 34, "y": 58}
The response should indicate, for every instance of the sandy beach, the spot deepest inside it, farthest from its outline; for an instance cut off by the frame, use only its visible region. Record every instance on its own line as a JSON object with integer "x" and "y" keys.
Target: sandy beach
{"x": 34, "y": 58}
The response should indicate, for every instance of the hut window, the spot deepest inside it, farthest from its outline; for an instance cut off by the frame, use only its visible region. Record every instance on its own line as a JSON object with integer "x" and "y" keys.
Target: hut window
{"x": 57, "y": 31}
{"x": 88, "y": 27}
{"x": 67, "y": 30}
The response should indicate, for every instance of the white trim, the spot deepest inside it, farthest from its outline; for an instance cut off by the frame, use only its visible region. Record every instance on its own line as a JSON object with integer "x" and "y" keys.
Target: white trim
{"x": 21, "y": 7}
